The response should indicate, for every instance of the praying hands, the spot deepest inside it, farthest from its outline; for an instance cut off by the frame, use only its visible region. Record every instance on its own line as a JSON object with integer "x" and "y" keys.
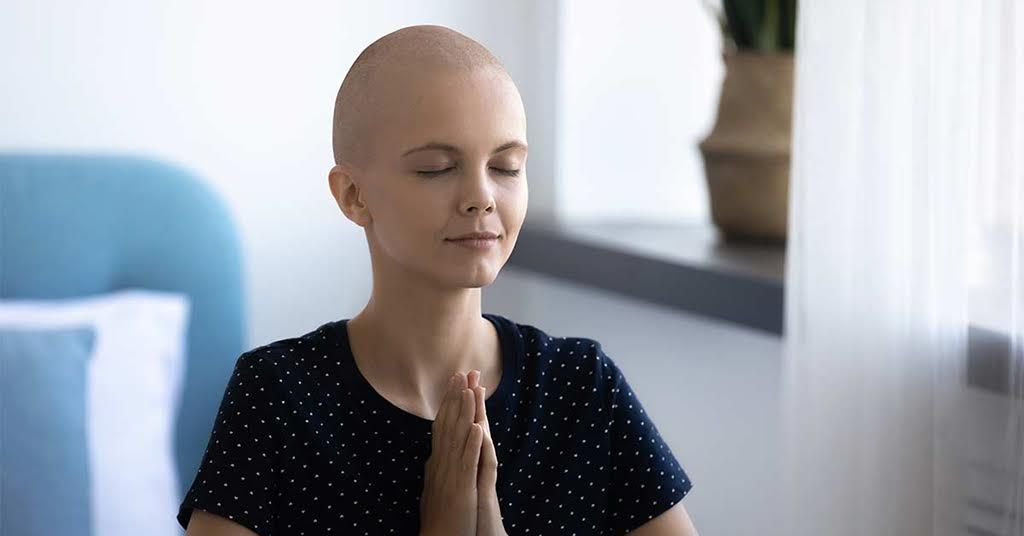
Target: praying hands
{"x": 459, "y": 490}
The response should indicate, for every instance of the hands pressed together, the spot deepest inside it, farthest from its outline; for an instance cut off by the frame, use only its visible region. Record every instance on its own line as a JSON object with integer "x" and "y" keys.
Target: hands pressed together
{"x": 459, "y": 489}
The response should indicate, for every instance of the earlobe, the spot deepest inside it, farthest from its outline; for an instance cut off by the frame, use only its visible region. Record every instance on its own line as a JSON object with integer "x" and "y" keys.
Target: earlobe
{"x": 348, "y": 195}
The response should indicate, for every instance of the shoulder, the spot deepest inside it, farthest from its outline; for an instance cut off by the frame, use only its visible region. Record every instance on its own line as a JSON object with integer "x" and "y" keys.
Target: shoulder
{"x": 555, "y": 349}
{"x": 291, "y": 351}
{"x": 271, "y": 377}
{"x": 280, "y": 366}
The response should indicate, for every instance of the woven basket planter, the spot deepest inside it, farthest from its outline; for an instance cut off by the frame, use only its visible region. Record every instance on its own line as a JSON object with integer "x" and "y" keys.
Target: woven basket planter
{"x": 746, "y": 155}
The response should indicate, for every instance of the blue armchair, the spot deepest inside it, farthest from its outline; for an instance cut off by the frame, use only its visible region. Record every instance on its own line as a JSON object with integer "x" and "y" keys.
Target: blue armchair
{"x": 78, "y": 225}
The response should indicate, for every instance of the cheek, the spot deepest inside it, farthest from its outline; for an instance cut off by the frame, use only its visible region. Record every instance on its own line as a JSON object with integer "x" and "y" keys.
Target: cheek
{"x": 516, "y": 203}
{"x": 512, "y": 212}
{"x": 524, "y": 193}
{"x": 409, "y": 218}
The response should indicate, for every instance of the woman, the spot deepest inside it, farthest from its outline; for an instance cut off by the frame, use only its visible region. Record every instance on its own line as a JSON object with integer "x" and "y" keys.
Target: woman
{"x": 421, "y": 414}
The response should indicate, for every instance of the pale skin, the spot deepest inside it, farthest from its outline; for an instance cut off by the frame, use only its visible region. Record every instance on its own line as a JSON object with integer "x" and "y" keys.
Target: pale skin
{"x": 445, "y": 154}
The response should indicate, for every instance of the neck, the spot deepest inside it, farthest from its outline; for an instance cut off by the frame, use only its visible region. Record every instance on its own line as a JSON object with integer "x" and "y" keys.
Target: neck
{"x": 413, "y": 337}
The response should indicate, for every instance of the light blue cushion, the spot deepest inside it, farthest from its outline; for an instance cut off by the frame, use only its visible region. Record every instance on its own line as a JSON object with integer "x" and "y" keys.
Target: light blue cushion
{"x": 75, "y": 225}
{"x": 43, "y": 449}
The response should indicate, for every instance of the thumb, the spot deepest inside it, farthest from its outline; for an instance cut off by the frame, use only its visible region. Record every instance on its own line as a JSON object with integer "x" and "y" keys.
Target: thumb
{"x": 487, "y": 473}
{"x": 488, "y": 469}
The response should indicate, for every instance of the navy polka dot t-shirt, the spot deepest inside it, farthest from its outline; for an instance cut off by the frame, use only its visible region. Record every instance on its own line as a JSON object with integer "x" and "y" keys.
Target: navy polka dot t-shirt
{"x": 303, "y": 444}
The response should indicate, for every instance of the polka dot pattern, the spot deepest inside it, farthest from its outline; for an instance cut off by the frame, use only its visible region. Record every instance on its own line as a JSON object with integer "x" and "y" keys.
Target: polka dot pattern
{"x": 303, "y": 444}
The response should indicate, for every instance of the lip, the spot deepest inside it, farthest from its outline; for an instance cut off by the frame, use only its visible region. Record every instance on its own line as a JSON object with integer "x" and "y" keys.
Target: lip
{"x": 477, "y": 235}
{"x": 475, "y": 243}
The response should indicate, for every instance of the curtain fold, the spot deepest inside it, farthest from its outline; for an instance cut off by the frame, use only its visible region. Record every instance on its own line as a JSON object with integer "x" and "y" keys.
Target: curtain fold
{"x": 905, "y": 232}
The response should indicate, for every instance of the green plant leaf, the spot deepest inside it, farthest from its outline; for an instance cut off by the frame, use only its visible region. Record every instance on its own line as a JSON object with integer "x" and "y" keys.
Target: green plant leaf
{"x": 787, "y": 25}
{"x": 766, "y": 25}
{"x": 744, "y": 19}
{"x": 768, "y": 36}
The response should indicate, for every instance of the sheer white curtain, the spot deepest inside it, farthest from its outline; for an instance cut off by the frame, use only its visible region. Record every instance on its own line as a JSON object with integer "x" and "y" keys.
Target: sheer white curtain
{"x": 906, "y": 222}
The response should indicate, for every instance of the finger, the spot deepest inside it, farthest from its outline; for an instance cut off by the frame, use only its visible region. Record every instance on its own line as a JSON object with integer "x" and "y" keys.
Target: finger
{"x": 468, "y": 414}
{"x": 481, "y": 409}
{"x": 484, "y": 421}
{"x": 471, "y": 454}
{"x": 466, "y": 406}
{"x": 448, "y": 412}
{"x": 465, "y": 422}
{"x": 487, "y": 471}
{"x": 472, "y": 381}
{"x": 457, "y": 427}
{"x": 443, "y": 413}
{"x": 488, "y": 438}
{"x": 490, "y": 451}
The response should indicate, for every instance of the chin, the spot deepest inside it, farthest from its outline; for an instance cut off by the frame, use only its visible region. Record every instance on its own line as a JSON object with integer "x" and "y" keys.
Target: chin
{"x": 481, "y": 278}
{"x": 480, "y": 282}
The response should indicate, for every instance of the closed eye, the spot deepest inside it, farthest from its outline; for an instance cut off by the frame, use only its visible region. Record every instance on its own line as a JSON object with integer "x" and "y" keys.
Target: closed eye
{"x": 509, "y": 172}
{"x": 431, "y": 173}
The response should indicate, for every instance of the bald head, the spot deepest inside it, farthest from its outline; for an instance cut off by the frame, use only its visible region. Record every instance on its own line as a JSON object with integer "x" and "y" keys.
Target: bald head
{"x": 391, "y": 60}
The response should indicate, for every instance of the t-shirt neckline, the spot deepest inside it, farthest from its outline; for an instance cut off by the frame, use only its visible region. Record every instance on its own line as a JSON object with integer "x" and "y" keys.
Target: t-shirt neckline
{"x": 364, "y": 394}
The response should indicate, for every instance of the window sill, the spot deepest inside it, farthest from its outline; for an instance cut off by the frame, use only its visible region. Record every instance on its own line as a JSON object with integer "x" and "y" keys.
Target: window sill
{"x": 686, "y": 266}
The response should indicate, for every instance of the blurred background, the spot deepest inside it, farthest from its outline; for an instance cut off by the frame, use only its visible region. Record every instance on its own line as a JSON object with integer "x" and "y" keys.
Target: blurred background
{"x": 640, "y": 232}
{"x": 243, "y": 94}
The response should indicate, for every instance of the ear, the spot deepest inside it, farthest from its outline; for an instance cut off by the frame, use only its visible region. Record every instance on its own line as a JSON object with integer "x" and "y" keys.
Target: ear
{"x": 348, "y": 195}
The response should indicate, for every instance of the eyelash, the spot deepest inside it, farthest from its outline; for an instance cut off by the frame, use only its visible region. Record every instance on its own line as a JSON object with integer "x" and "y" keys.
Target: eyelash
{"x": 506, "y": 172}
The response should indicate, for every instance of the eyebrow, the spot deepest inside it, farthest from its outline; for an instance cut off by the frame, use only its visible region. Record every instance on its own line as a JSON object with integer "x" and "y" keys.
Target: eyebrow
{"x": 447, "y": 147}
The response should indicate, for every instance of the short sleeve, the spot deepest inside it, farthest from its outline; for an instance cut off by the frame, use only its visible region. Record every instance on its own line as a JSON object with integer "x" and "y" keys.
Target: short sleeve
{"x": 236, "y": 478}
{"x": 646, "y": 479}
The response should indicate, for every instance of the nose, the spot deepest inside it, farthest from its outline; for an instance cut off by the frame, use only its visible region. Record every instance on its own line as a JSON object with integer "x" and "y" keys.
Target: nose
{"x": 473, "y": 208}
{"x": 477, "y": 194}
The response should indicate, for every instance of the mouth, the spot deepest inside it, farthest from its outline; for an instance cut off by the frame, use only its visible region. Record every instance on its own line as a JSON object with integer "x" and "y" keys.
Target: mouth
{"x": 474, "y": 242}
{"x": 485, "y": 235}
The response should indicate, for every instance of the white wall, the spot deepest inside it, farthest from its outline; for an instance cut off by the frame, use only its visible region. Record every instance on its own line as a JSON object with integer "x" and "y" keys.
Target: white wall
{"x": 243, "y": 93}
{"x": 638, "y": 89}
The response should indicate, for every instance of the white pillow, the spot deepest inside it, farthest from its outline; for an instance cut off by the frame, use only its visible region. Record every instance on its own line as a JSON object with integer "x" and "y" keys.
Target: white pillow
{"x": 133, "y": 390}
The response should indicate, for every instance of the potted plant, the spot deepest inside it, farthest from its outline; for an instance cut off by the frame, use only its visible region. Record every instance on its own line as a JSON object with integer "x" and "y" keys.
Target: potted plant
{"x": 746, "y": 155}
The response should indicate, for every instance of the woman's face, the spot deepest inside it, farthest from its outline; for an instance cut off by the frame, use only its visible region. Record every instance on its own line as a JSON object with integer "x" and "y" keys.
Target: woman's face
{"x": 448, "y": 158}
